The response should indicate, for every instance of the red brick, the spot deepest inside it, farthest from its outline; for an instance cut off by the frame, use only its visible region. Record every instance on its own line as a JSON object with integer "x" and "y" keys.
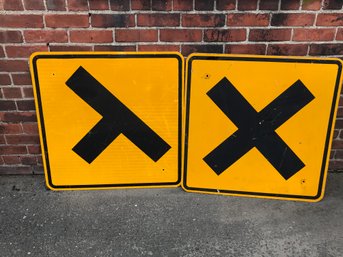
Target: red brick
{"x": 66, "y": 21}
{"x": 290, "y": 5}
{"x": 340, "y": 112}
{"x": 45, "y": 36}
{"x": 115, "y": 48}
{"x": 30, "y": 128}
{"x": 10, "y": 128}
{"x": 224, "y": 35}
{"x": 270, "y": 35}
{"x": 335, "y": 133}
{"x": 312, "y": 5}
{"x": 22, "y": 139}
{"x": 28, "y": 92}
{"x": 77, "y": 5}
{"x": 2, "y": 52}
{"x": 244, "y": 5}
{"x": 15, "y": 170}
{"x": 28, "y": 160}
{"x": 34, "y": 149}
{"x": 339, "y": 124}
{"x": 24, "y": 50}
{"x": 56, "y": 5}
{"x": 203, "y": 5}
{"x": 332, "y": 154}
{"x": 158, "y": 20}
{"x": 337, "y": 144}
{"x": 91, "y": 36}
{"x": 38, "y": 170}
{"x": 34, "y": 5}
{"x": 207, "y": 48}
{"x": 21, "y": 21}
{"x": 339, "y": 35}
{"x": 112, "y": 20}
{"x": 313, "y": 34}
{"x": 339, "y": 155}
{"x": 292, "y": 19}
{"x": 10, "y": 36}
{"x": 12, "y": 5}
{"x": 19, "y": 117}
{"x": 332, "y": 4}
{"x": 340, "y": 103}
{"x": 246, "y": 49}
{"x": 120, "y": 5}
{"x": 39, "y": 161}
{"x": 12, "y": 149}
{"x": 226, "y": 5}
{"x": 183, "y": 5}
{"x": 154, "y": 48}
{"x": 135, "y": 35}
{"x": 7, "y": 105}
{"x": 335, "y": 165}
{"x": 248, "y": 19}
{"x": 203, "y": 20}
{"x": 330, "y": 19}
{"x": 269, "y": 5}
{"x": 12, "y": 92}
{"x": 340, "y": 132}
{"x": 14, "y": 65}
{"x": 63, "y": 48}
{"x": 141, "y": 4}
{"x": 2, "y": 140}
{"x": 180, "y": 35}
{"x": 1, "y": 161}
{"x": 326, "y": 49}
{"x": 5, "y": 79}
{"x": 287, "y": 49}
{"x": 11, "y": 159}
{"x": 158, "y": 5}
{"x": 98, "y": 4}
{"x": 26, "y": 105}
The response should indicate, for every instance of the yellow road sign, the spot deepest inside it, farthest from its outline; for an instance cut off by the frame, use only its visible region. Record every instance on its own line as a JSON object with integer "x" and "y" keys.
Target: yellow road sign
{"x": 109, "y": 120}
{"x": 259, "y": 126}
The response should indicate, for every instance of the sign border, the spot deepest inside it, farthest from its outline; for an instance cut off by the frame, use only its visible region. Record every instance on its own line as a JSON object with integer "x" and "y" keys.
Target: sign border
{"x": 103, "y": 55}
{"x": 329, "y": 134}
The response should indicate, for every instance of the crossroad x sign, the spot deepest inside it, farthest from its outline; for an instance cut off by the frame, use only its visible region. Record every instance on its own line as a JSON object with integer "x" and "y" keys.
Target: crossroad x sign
{"x": 259, "y": 126}
{"x": 109, "y": 120}
{"x": 257, "y": 129}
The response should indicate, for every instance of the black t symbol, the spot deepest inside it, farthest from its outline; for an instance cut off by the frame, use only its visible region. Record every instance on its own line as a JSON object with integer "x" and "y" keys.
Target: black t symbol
{"x": 117, "y": 119}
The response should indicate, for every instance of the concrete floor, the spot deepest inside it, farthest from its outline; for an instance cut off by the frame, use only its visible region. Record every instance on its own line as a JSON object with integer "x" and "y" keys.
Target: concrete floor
{"x": 164, "y": 222}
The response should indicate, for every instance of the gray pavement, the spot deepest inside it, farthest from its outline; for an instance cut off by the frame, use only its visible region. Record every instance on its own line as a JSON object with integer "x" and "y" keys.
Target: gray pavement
{"x": 164, "y": 222}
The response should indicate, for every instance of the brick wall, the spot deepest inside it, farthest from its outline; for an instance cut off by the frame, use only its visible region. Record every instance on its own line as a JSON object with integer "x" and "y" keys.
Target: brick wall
{"x": 272, "y": 27}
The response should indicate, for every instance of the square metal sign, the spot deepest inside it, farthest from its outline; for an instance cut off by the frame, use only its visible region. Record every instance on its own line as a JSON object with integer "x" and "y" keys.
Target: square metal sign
{"x": 109, "y": 120}
{"x": 259, "y": 126}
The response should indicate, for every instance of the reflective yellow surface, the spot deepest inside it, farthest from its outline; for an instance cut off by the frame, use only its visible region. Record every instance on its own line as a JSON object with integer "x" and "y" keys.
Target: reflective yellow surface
{"x": 260, "y": 81}
{"x": 149, "y": 84}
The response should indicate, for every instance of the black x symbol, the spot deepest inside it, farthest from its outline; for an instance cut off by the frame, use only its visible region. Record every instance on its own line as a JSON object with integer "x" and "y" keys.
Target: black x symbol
{"x": 257, "y": 129}
{"x": 117, "y": 119}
